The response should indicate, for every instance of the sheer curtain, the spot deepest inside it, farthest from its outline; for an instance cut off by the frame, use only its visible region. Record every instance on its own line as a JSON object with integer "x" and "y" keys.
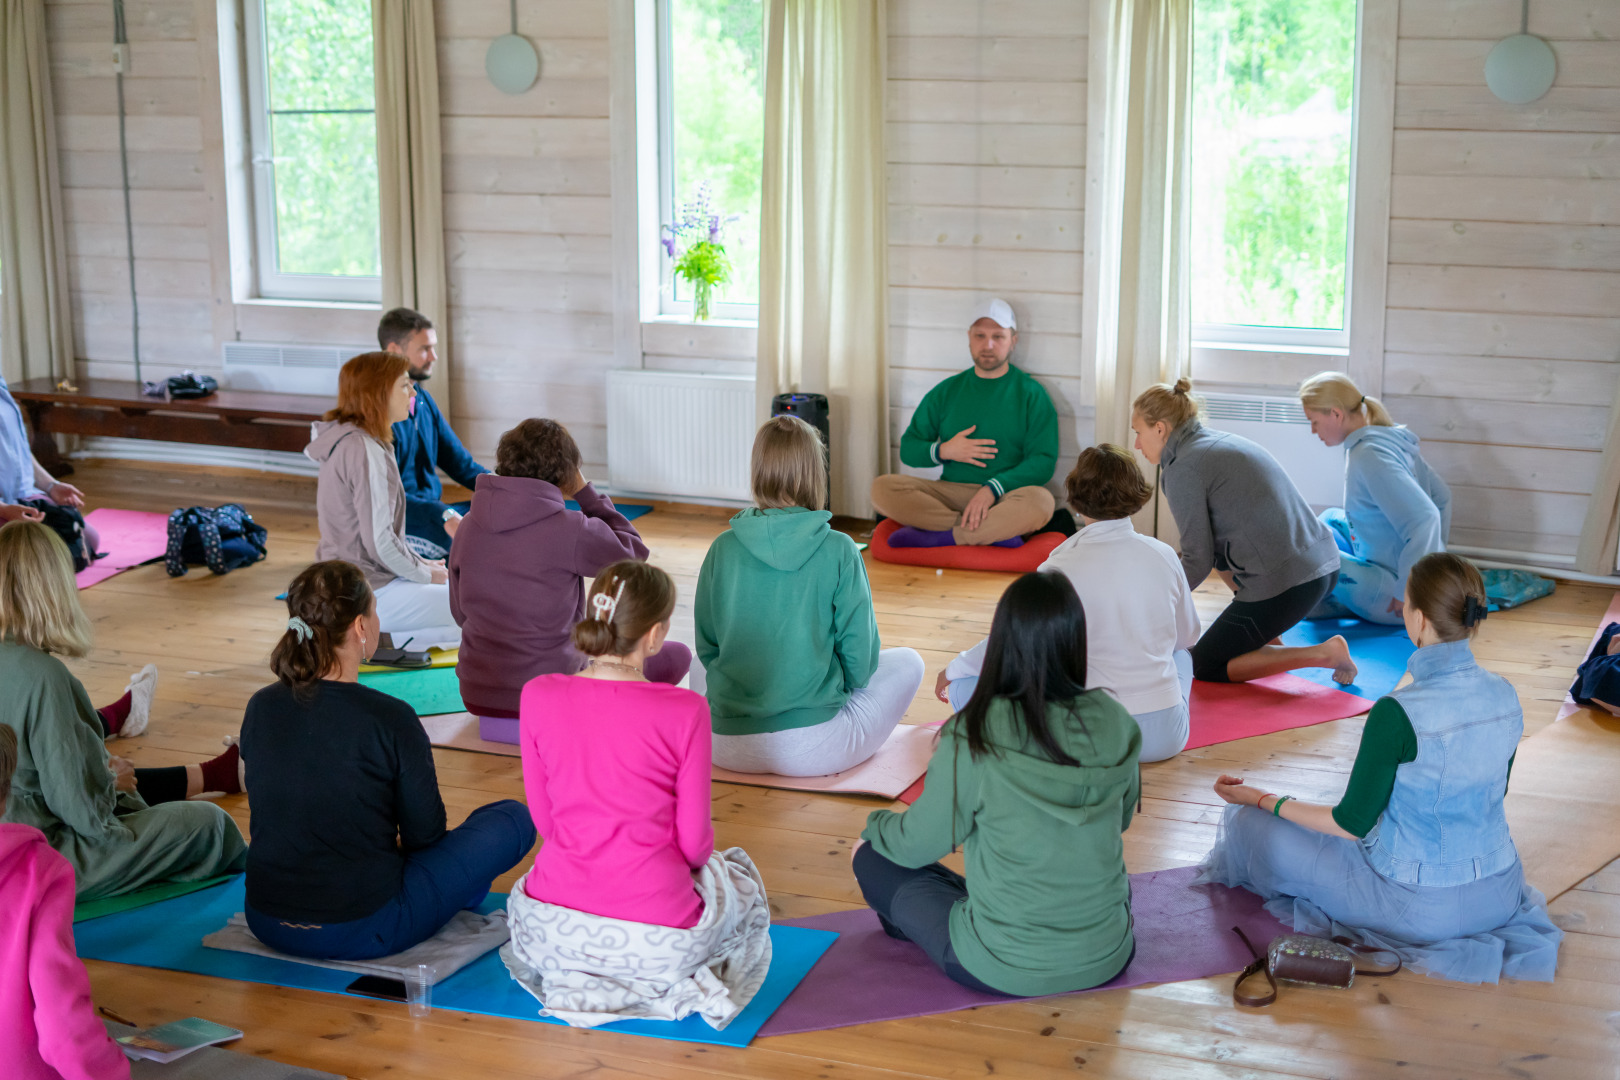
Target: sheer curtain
{"x": 823, "y": 290}
{"x": 410, "y": 184}
{"x": 36, "y": 328}
{"x": 1137, "y": 194}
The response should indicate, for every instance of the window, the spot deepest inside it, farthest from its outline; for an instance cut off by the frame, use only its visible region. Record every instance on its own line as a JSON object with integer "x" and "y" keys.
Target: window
{"x": 1273, "y": 93}
{"x": 711, "y": 136}
{"x": 312, "y": 124}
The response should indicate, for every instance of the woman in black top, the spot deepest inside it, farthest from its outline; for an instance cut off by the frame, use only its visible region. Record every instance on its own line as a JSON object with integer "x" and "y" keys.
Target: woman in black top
{"x": 350, "y": 857}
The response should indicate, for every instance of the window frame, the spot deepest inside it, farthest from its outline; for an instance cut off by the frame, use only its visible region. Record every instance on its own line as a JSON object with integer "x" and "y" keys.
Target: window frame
{"x": 1206, "y": 336}
{"x": 268, "y": 282}
{"x": 668, "y": 306}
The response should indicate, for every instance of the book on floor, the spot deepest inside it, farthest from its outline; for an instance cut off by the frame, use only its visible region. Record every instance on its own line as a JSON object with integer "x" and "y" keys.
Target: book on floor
{"x": 169, "y": 1042}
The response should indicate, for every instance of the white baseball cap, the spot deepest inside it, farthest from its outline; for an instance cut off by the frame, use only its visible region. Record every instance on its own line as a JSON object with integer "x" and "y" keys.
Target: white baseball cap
{"x": 997, "y": 311}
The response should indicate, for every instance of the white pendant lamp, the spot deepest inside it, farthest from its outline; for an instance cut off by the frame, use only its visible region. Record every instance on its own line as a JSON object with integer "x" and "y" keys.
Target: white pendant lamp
{"x": 1521, "y": 68}
{"x": 511, "y": 62}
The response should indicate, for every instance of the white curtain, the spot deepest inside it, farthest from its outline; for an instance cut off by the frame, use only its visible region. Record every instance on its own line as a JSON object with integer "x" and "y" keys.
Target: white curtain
{"x": 1600, "y": 534}
{"x": 1137, "y": 292}
{"x": 410, "y": 184}
{"x": 36, "y": 328}
{"x": 823, "y": 291}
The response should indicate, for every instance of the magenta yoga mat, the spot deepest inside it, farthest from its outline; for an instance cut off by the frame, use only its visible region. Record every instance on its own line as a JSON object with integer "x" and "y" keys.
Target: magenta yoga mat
{"x": 129, "y": 537}
{"x": 1183, "y": 931}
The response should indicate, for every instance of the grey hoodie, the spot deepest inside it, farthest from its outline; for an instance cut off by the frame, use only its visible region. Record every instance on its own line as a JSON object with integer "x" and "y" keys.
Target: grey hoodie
{"x": 1237, "y": 510}
{"x": 360, "y": 504}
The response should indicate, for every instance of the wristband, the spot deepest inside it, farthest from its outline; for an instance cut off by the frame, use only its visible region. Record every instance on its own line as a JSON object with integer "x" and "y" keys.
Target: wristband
{"x": 449, "y": 514}
{"x": 1260, "y": 803}
{"x": 1276, "y": 807}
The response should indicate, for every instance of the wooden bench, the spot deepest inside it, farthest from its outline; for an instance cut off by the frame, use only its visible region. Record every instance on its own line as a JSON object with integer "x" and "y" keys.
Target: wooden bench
{"x": 251, "y": 419}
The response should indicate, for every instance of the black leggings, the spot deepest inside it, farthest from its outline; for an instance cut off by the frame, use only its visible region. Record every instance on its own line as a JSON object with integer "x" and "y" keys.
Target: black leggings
{"x": 167, "y": 784}
{"x": 1246, "y": 625}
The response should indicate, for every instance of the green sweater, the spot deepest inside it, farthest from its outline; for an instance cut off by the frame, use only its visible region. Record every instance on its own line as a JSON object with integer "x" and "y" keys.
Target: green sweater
{"x": 1013, "y": 410}
{"x": 785, "y": 627}
{"x": 1387, "y": 742}
{"x": 1049, "y": 904}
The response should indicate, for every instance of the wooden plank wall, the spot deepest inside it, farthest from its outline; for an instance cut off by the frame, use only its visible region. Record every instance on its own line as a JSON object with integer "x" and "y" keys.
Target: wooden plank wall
{"x": 986, "y": 151}
{"x": 1503, "y": 327}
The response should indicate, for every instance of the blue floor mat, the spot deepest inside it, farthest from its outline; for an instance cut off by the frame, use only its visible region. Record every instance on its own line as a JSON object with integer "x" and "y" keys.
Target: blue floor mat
{"x": 169, "y": 935}
{"x": 1380, "y": 653}
{"x": 631, "y": 511}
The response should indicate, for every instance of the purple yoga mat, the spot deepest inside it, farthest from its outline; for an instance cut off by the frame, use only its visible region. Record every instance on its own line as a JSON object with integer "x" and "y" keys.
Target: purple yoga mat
{"x": 1183, "y": 931}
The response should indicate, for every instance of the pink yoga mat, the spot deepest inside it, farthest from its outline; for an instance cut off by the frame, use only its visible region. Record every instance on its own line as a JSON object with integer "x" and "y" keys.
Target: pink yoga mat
{"x": 1183, "y": 931}
{"x": 1569, "y": 708}
{"x": 1223, "y": 712}
{"x": 129, "y": 537}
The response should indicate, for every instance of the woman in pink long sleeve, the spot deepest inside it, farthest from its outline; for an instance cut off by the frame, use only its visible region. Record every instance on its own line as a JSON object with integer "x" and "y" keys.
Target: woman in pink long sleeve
{"x": 616, "y": 768}
{"x": 47, "y": 1026}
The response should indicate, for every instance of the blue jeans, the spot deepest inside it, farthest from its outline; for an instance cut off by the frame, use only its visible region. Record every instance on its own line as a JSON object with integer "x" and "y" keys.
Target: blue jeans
{"x": 453, "y": 874}
{"x": 915, "y": 906}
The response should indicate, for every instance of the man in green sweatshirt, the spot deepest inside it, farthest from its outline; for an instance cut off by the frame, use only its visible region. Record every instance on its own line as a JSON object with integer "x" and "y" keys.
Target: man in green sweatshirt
{"x": 995, "y": 431}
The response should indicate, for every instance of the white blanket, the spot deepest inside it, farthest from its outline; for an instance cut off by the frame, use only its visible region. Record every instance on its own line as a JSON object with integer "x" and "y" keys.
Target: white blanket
{"x": 587, "y": 970}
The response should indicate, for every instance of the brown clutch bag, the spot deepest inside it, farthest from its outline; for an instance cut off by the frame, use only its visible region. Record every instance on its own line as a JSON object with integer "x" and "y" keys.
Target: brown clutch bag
{"x": 1309, "y": 961}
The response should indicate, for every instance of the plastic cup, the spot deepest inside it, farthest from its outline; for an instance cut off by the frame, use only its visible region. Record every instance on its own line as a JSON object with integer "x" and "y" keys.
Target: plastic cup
{"x": 419, "y": 990}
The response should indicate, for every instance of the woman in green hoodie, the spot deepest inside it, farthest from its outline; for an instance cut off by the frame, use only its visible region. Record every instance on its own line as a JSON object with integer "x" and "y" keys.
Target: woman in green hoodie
{"x": 1036, "y": 778}
{"x": 798, "y": 683}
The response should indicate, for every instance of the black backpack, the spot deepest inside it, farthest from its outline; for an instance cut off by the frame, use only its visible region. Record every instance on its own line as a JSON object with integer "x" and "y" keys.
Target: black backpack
{"x": 224, "y": 537}
{"x": 67, "y": 523}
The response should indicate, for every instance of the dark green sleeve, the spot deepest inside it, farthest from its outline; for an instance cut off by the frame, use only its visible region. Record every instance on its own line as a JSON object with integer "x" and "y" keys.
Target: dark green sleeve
{"x": 922, "y": 435}
{"x": 1040, "y": 448}
{"x": 1387, "y": 743}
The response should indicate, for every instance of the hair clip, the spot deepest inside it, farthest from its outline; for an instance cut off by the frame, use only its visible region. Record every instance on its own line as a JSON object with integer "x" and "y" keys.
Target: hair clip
{"x": 1474, "y": 612}
{"x": 301, "y": 628}
{"x": 604, "y": 606}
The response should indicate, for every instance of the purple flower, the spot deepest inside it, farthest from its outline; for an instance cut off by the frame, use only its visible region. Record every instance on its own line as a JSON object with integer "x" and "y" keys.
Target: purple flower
{"x": 669, "y": 243}
{"x": 714, "y": 227}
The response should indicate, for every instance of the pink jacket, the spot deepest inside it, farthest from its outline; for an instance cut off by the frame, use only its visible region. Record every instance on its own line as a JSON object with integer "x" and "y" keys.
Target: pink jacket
{"x": 48, "y": 1026}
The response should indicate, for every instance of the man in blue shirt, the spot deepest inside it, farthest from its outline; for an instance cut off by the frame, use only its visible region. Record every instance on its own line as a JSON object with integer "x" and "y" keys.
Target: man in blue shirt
{"x": 425, "y": 444}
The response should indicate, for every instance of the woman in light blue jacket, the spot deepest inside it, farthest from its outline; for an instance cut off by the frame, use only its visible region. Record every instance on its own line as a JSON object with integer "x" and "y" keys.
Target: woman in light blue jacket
{"x": 1416, "y": 857}
{"x": 1396, "y": 508}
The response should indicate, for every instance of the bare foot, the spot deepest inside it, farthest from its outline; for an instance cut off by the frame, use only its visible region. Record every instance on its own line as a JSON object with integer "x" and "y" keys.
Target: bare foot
{"x": 1338, "y": 657}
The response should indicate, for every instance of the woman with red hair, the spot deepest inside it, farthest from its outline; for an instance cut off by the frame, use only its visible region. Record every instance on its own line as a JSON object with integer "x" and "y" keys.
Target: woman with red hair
{"x": 360, "y": 502}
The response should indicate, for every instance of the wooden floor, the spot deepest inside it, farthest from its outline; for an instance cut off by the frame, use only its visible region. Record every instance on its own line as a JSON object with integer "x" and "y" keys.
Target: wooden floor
{"x": 212, "y": 636}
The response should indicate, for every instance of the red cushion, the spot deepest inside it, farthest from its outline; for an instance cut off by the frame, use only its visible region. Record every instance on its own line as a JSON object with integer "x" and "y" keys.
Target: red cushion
{"x": 1018, "y": 560}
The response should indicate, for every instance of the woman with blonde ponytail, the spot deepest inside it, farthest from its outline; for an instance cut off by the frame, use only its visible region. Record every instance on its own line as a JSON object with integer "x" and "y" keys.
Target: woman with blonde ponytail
{"x": 1396, "y": 508}
{"x": 616, "y": 769}
{"x": 1240, "y": 515}
{"x": 351, "y": 859}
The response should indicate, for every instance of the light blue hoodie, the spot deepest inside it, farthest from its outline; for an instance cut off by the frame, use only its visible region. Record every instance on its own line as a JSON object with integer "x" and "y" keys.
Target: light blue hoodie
{"x": 1398, "y": 507}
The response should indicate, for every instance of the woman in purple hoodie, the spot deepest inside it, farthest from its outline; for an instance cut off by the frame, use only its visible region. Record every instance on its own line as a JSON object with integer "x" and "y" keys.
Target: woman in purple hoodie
{"x": 518, "y": 569}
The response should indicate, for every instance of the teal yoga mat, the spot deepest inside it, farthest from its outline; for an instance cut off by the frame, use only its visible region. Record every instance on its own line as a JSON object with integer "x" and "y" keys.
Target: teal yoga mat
{"x": 169, "y": 935}
{"x": 1380, "y": 653}
{"x": 430, "y": 691}
{"x": 631, "y": 511}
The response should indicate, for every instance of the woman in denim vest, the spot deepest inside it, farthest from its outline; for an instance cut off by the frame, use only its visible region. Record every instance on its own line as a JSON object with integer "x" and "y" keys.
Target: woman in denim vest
{"x": 1416, "y": 857}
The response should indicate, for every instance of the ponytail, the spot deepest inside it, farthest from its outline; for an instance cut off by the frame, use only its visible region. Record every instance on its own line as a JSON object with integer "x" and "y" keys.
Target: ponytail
{"x": 1167, "y": 403}
{"x": 626, "y": 600}
{"x": 322, "y": 604}
{"x": 1334, "y": 390}
{"x": 1450, "y": 592}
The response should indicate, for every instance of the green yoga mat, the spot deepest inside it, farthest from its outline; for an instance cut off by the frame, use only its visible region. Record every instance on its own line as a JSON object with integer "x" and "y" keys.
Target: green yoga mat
{"x": 430, "y": 691}
{"x": 168, "y": 890}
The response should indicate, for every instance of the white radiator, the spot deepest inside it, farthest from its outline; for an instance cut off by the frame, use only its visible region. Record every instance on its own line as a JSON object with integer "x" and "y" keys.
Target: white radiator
{"x": 286, "y": 369}
{"x": 1280, "y": 425}
{"x": 681, "y": 435}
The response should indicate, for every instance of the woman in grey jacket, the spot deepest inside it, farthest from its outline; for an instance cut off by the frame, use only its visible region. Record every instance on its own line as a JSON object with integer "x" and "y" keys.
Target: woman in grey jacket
{"x": 1241, "y": 516}
{"x": 360, "y": 502}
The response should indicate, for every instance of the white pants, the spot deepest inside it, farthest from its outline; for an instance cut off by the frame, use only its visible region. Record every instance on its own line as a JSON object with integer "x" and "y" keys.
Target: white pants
{"x": 1164, "y": 731}
{"x": 419, "y": 614}
{"x": 849, "y": 738}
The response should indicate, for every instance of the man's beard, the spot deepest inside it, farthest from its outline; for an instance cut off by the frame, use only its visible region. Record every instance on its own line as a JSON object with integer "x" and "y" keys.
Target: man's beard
{"x": 988, "y": 363}
{"x": 420, "y": 374}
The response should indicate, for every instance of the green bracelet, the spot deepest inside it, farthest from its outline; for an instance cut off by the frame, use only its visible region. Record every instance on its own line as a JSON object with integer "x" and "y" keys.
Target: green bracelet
{"x": 1277, "y": 806}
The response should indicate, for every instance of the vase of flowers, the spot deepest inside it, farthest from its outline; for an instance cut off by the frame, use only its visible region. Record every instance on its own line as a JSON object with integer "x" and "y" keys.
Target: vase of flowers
{"x": 694, "y": 244}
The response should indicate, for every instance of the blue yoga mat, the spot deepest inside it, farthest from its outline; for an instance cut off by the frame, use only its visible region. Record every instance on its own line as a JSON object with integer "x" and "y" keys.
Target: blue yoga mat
{"x": 631, "y": 511}
{"x": 169, "y": 935}
{"x": 1380, "y": 653}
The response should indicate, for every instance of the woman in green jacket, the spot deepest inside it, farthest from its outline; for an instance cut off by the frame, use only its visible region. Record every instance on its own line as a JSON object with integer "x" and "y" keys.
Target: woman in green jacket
{"x": 1036, "y": 779}
{"x": 797, "y": 680}
{"x": 66, "y": 786}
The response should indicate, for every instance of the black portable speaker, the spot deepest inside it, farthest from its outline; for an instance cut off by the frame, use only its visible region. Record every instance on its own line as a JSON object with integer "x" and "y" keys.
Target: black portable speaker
{"x": 812, "y": 409}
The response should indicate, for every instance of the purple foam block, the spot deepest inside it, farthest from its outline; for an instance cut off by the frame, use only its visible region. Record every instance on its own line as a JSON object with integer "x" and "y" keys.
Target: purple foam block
{"x": 498, "y": 729}
{"x": 1183, "y": 931}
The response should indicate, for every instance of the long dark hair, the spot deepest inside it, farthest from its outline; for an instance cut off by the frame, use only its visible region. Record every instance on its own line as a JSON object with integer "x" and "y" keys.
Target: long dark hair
{"x": 327, "y": 597}
{"x": 1036, "y": 656}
